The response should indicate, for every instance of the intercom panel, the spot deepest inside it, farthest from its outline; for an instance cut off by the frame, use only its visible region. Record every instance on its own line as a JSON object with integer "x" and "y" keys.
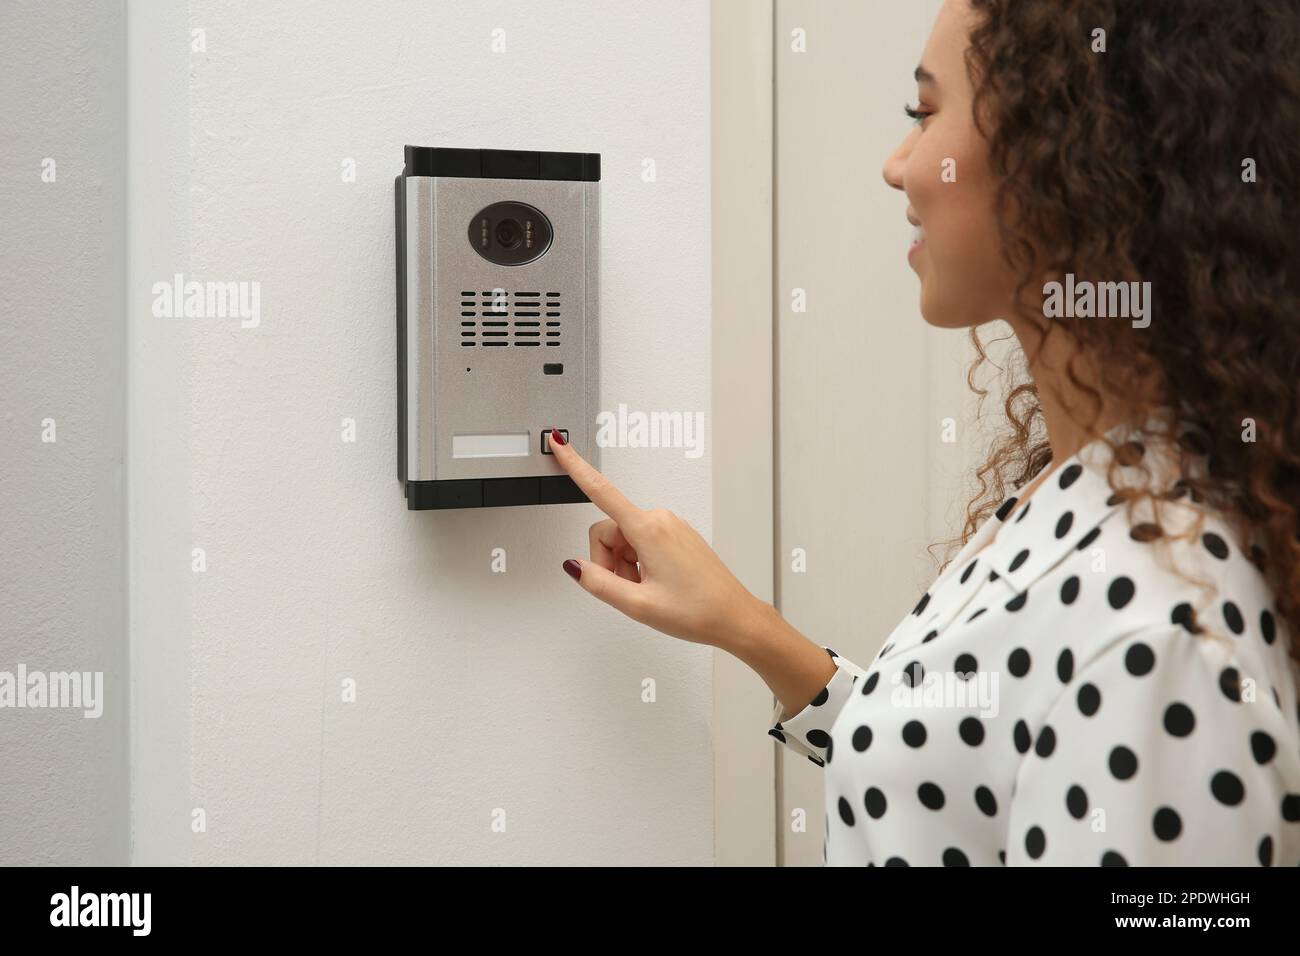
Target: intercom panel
{"x": 498, "y": 288}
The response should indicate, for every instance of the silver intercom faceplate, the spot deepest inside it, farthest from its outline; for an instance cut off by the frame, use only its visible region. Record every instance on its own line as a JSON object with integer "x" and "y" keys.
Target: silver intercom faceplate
{"x": 498, "y": 273}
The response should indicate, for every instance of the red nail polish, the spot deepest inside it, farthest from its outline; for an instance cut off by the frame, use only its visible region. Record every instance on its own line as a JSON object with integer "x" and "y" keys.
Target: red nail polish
{"x": 573, "y": 568}
{"x": 557, "y": 437}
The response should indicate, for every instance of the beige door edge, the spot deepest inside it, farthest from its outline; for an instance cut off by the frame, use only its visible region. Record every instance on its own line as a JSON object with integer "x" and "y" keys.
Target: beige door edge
{"x": 745, "y": 773}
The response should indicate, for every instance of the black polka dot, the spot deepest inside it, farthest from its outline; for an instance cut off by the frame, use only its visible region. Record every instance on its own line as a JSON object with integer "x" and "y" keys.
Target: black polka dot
{"x": 895, "y": 861}
{"x": 1265, "y": 851}
{"x": 913, "y": 674}
{"x": 1020, "y": 734}
{"x": 1018, "y": 662}
{"x": 976, "y": 614}
{"x": 1167, "y": 824}
{"x": 1069, "y": 475}
{"x": 1002, "y": 857}
{"x": 1215, "y": 545}
{"x": 1111, "y": 858}
{"x": 1035, "y": 842}
{"x": 929, "y": 637}
{"x": 1123, "y": 763}
{"x": 1065, "y": 666}
{"x": 846, "y": 812}
{"x": 1024, "y": 511}
{"x": 1232, "y": 617}
{"x": 817, "y": 760}
{"x": 821, "y": 698}
{"x": 985, "y": 800}
{"x": 1179, "y": 720}
{"x": 1267, "y": 626}
{"x": 969, "y": 568}
{"x": 1227, "y": 788}
{"x": 914, "y": 733}
{"x": 1139, "y": 659}
{"x": 930, "y": 796}
{"x": 818, "y": 738}
{"x": 1120, "y": 592}
{"x": 862, "y": 738}
{"x": 920, "y": 605}
{"x": 1005, "y": 509}
{"x": 1070, "y": 589}
{"x": 869, "y": 684}
{"x": 972, "y": 731}
{"x": 1017, "y": 602}
{"x": 1184, "y": 614}
{"x": 965, "y": 664}
{"x": 1230, "y": 684}
{"x": 993, "y": 575}
{"x": 830, "y": 747}
{"x": 1088, "y": 699}
{"x": 954, "y": 857}
{"x": 1291, "y": 808}
{"x": 1076, "y": 801}
{"x": 1087, "y": 539}
{"x": 1262, "y": 747}
{"x": 1046, "y": 742}
{"x": 777, "y": 734}
{"x": 1019, "y": 559}
{"x": 875, "y": 803}
{"x": 1063, "y": 524}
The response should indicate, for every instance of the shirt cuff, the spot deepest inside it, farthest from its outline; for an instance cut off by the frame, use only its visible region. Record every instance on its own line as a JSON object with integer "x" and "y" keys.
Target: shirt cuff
{"x": 809, "y": 731}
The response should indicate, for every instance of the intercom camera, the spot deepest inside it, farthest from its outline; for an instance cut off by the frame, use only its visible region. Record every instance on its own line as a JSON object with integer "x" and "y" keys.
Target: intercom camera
{"x": 498, "y": 301}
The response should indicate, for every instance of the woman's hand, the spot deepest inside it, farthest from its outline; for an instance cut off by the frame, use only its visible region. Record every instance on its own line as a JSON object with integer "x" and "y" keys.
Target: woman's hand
{"x": 657, "y": 569}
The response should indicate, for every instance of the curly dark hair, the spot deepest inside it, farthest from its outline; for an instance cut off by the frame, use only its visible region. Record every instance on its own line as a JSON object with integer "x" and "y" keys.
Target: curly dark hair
{"x": 1133, "y": 165}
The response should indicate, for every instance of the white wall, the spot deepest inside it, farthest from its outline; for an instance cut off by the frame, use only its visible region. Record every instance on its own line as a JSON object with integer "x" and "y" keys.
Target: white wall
{"x": 476, "y": 691}
{"x": 63, "y": 798}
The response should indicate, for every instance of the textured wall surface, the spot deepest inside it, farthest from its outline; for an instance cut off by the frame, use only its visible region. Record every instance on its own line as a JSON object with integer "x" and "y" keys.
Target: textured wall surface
{"x": 476, "y": 692}
{"x": 63, "y": 796}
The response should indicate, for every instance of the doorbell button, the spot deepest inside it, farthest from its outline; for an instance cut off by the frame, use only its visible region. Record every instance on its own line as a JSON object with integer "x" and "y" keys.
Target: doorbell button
{"x": 546, "y": 439}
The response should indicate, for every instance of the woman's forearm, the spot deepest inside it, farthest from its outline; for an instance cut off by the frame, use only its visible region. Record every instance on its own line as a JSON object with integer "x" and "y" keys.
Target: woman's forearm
{"x": 790, "y": 664}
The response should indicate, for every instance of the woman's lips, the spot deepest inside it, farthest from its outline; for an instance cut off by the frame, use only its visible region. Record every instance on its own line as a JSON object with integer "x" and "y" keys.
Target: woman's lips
{"x": 918, "y": 240}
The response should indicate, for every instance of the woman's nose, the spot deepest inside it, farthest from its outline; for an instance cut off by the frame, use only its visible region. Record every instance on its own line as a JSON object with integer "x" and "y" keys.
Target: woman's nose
{"x": 896, "y": 163}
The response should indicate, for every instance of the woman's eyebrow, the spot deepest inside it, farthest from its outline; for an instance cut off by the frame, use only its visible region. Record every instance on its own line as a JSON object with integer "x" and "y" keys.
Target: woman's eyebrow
{"x": 923, "y": 75}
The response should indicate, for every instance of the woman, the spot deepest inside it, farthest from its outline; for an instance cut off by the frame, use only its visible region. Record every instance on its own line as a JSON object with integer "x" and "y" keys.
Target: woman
{"x": 1104, "y": 674}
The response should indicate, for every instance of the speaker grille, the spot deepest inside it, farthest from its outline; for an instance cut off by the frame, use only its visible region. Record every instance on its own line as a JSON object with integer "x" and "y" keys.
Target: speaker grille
{"x": 495, "y": 319}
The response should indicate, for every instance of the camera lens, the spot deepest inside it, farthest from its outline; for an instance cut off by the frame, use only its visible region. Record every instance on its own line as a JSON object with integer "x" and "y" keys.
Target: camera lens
{"x": 509, "y": 233}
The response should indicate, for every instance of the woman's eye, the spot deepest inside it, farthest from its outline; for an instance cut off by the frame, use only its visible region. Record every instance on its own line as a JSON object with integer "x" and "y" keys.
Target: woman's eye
{"x": 916, "y": 113}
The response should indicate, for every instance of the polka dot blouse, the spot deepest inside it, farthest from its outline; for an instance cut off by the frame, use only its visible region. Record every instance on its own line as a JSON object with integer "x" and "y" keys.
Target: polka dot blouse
{"x": 1064, "y": 697}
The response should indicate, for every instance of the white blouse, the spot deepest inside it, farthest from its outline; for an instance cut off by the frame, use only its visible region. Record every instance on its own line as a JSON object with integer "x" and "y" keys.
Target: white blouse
{"x": 1061, "y": 697}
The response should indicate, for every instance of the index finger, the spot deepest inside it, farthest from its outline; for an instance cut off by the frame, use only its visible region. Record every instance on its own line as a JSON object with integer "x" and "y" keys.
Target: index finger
{"x": 595, "y": 486}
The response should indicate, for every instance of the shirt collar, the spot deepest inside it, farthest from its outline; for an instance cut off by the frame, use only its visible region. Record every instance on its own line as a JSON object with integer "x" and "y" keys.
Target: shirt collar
{"x": 1066, "y": 511}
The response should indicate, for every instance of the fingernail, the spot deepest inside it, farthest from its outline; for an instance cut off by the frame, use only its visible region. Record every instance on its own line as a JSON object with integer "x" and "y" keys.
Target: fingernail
{"x": 558, "y": 438}
{"x": 573, "y": 568}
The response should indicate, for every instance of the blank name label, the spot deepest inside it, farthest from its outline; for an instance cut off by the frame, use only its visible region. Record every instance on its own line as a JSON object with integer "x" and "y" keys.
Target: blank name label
{"x": 490, "y": 446}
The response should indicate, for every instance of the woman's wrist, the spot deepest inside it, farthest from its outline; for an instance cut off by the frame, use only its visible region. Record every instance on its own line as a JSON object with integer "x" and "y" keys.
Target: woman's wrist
{"x": 793, "y": 667}
{"x": 751, "y": 631}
